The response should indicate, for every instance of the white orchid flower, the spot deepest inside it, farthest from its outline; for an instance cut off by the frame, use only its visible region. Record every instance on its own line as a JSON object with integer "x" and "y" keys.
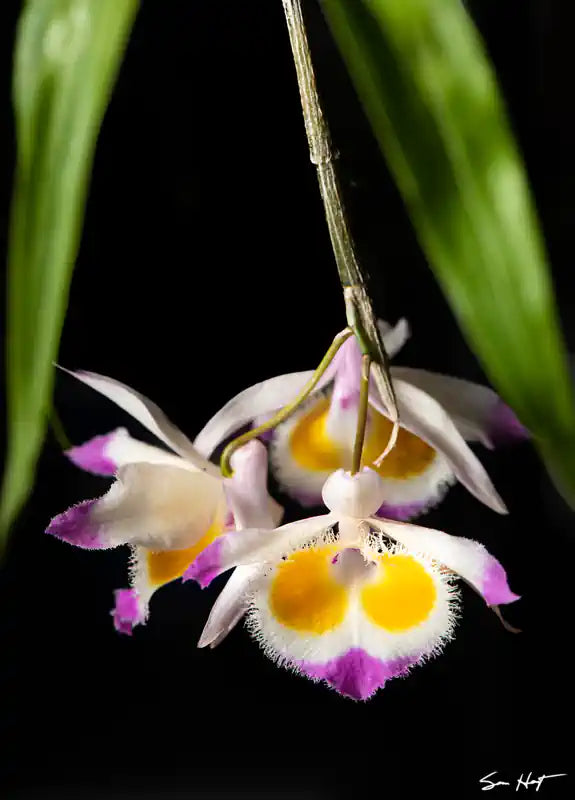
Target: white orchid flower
{"x": 167, "y": 506}
{"x": 437, "y": 415}
{"x": 346, "y": 597}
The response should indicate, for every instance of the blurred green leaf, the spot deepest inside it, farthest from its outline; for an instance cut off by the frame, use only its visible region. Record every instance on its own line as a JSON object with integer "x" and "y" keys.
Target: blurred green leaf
{"x": 430, "y": 94}
{"x": 67, "y": 56}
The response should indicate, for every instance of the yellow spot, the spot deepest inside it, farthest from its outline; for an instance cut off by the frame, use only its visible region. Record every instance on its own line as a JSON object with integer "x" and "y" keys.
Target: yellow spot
{"x": 167, "y": 565}
{"x": 310, "y": 444}
{"x": 402, "y": 597}
{"x": 305, "y": 596}
{"x": 410, "y": 457}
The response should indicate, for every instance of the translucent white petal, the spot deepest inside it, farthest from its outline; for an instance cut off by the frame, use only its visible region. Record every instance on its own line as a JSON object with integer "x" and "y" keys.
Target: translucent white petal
{"x": 104, "y": 455}
{"x": 467, "y": 558}
{"x": 247, "y": 492}
{"x": 423, "y": 416}
{"x": 347, "y": 375}
{"x": 477, "y": 411}
{"x": 394, "y": 337}
{"x": 231, "y": 605}
{"x": 251, "y": 507}
{"x": 147, "y": 413}
{"x": 257, "y": 400}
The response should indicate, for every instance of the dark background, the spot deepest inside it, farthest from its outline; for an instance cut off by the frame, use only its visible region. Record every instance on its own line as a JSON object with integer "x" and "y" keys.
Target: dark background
{"x": 205, "y": 267}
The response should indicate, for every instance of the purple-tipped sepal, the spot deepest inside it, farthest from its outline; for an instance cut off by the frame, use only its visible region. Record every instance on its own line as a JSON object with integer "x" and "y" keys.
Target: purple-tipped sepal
{"x": 504, "y": 426}
{"x": 76, "y": 527}
{"x": 495, "y": 588}
{"x": 206, "y": 566}
{"x": 92, "y": 455}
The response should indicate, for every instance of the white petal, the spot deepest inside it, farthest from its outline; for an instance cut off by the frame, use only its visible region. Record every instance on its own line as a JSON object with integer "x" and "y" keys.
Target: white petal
{"x": 252, "y": 546}
{"x": 470, "y": 405}
{"x": 275, "y": 511}
{"x": 147, "y": 413}
{"x": 394, "y": 338}
{"x": 423, "y": 416}
{"x": 159, "y": 507}
{"x": 252, "y": 507}
{"x": 347, "y": 376}
{"x": 104, "y": 455}
{"x": 468, "y": 558}
{"x": 260, "y": 399}
{"x": 247, "y": 492}
{"x": 150, "y": 569}
{"x": 231, "y": 605}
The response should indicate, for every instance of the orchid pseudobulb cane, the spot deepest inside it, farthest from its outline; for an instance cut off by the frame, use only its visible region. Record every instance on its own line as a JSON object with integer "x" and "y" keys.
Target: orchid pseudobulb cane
{"x": 167, "y": 506}
{"x": 437, "y": 415}
{"x": 349, "y": 598}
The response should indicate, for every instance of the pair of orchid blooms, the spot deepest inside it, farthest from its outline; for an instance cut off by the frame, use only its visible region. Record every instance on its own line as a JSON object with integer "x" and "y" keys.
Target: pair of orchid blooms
{"x": 353, "y": 597}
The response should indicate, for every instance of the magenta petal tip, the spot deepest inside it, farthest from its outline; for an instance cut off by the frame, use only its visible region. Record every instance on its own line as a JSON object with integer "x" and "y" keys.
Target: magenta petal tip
{"x": 495, "y": 588}
{"x": 91, "y": 456}
{"x": 206, "y": 566}
{"x": 504, "y": 426}
{"x": 126, "y": 612}
{"x": 74, "y": 526}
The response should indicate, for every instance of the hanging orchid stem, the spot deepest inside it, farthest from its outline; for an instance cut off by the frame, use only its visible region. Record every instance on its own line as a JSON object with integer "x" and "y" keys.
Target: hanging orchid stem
{"x": 285, "y": 412}
{"x": 361, "y": 414}
{"x": 359, "y": 310}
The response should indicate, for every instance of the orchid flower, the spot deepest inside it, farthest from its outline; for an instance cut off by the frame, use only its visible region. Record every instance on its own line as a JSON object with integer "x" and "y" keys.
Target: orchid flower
{"x": 167, "y": 506}
{"x": 346, "y": 597}
{"x": 437, "y": 415}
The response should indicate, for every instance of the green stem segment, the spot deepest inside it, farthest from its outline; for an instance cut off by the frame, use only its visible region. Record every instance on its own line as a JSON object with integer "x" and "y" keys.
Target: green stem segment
{"x": 360, "y": 316}
{"x": 285, "y": 412}
{"x": 58, "y": 430}
{"x": 361, "y": 414}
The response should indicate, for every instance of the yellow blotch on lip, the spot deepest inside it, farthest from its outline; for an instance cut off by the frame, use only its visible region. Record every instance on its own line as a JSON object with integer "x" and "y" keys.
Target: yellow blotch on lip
{"x": 402, "y": 597}
{"x": 167, "y": 565}
{"x": 310, "y": 444}
{"x": 410, "y": 457}
{"x": 313, "y": 449}
{"x": 304, "y": 596}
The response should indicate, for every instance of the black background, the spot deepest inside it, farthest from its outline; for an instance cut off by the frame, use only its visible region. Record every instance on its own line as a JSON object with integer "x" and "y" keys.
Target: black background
{"x": 205, "y": 267}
